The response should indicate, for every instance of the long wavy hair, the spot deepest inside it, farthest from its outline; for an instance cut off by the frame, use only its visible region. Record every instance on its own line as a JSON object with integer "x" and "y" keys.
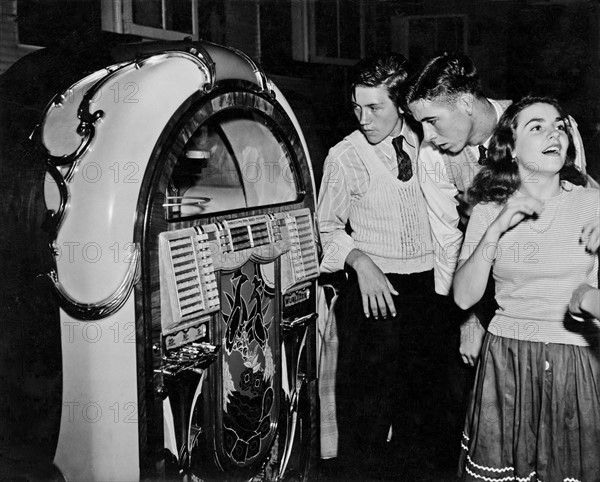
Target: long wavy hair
{"x": 499, "y": 177}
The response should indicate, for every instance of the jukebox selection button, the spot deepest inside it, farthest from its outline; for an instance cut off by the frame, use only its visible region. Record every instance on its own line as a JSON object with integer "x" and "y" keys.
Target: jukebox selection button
{"x": 297, "y": 233}
{"x": 207, "y": 271}
{"x": 188, "y": 276}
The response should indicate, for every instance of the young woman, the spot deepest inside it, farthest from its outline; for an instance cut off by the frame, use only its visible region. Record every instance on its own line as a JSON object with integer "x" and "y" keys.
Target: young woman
{"x": 534, "y": 413}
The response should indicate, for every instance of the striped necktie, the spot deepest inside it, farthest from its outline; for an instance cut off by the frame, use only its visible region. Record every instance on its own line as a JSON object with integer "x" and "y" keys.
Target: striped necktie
{"x": 403, "y": 159}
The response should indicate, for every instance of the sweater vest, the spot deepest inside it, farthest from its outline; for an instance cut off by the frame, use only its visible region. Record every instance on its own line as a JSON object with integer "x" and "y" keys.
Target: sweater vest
{"x": 390, "y": 222}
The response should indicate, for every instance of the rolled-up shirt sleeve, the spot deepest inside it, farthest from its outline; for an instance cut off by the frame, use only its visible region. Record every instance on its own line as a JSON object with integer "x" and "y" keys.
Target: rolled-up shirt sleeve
{"x": 440, "y": 194}
{"x": 332, "y": 211}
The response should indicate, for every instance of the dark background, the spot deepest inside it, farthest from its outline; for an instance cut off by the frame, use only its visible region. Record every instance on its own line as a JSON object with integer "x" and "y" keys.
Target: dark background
{"x": 520, "y": 47}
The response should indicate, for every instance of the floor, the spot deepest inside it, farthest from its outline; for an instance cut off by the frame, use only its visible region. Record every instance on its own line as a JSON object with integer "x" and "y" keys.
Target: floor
{"x": 418, "y": 464}
{"x": 26, "y": 464}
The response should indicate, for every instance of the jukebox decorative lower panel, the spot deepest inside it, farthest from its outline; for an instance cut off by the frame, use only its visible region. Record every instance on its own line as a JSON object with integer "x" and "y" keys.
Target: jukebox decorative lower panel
{"x": 197, "y": 191}
{"x": 226, "y": 286}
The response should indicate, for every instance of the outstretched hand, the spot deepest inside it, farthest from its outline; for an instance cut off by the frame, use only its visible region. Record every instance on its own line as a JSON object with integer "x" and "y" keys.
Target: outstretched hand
{"x": 590, "y": 235}
{"x": 375, "y": 288}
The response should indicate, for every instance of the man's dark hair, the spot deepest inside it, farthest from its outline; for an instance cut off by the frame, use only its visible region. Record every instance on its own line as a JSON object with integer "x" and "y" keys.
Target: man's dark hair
{"x": 444, "y": 78}
{"x": 387, "y": 70}
{"x": 499, "y": 177}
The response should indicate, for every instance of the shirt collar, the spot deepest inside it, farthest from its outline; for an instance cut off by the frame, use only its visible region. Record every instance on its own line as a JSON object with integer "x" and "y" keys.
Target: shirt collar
{"x": 409, "y": 138}
{"x": 499, "y": 112}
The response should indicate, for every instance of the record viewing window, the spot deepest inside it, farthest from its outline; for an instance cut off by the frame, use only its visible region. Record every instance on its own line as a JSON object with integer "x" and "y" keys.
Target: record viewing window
{"x": 234, "y": 160}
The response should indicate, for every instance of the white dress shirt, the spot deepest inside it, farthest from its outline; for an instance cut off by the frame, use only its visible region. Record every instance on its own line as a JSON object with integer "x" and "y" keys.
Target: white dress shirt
{"x": 345, "y": 178}
{"x": 441, "y": 196}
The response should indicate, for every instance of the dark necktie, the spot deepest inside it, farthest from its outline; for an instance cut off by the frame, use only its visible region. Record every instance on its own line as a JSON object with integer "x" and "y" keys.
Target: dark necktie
{"x": 482, "y": 155}
{"x": 403, "y": 159}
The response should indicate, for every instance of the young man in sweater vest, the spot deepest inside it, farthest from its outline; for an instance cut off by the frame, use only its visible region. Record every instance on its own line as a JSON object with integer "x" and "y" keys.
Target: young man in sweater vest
{"x": 374, "y": 224}
{"x": 458, "y": 120}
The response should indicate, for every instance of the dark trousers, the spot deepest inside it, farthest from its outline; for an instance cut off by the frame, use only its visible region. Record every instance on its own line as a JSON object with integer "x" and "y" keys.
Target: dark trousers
{"x": 390, "y": 371}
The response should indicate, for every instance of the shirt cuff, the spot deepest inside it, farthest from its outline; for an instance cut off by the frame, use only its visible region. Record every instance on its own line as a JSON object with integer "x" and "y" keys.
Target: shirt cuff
{"x": 335, "y": 253}
{"x": 442, "y": 279}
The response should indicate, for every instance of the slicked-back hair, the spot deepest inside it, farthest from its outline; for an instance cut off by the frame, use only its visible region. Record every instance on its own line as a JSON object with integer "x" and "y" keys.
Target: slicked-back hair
{"x": 499, "y": 177}
{"x": 444, "y": 78}
{"x": 388, "y": 70}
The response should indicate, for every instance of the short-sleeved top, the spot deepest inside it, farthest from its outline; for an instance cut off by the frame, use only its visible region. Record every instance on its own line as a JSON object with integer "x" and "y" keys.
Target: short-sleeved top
{"x": 538, "y": 263}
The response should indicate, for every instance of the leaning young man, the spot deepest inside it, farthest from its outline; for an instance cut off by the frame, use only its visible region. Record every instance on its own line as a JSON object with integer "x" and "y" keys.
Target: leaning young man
{"x": 374, "y": 224}
{"x": 458, "y": 121}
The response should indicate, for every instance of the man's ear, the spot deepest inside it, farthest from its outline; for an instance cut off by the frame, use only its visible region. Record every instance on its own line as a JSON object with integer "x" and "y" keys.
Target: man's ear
{"x": 466, "y": 101}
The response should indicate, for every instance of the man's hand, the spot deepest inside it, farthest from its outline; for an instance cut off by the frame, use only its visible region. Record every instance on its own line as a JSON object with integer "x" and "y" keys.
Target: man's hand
{"x": 471, "y": 339}
{"x": 375, "y": 288}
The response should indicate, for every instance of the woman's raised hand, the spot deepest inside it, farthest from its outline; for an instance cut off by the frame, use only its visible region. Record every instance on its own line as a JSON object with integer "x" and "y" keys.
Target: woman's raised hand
{"x": 514, "y": 211}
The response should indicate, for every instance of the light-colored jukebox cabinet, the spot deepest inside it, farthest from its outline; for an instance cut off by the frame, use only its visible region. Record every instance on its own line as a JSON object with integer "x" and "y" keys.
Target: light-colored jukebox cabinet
{"x": 181, "y": 202}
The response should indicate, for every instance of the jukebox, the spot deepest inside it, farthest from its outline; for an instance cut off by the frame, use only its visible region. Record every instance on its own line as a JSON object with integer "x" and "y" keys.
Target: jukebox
{"x": 180, "y": 203}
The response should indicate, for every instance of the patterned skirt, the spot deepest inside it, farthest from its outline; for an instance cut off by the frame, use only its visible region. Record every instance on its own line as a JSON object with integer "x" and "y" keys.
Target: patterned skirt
{"x": 534, "y": 414}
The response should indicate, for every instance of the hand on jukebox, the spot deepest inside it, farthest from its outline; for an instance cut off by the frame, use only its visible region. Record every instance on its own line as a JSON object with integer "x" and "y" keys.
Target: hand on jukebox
{"x": 375, "y": 288}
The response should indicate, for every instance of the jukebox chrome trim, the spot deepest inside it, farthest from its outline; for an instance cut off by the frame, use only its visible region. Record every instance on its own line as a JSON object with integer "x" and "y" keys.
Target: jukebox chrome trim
{"x": 54, "y": 219}
{"x": 260, "y": 77}
{"x": 86, "y": 128}
{"x": 105, "y": 307}
{"x": 202, "y": 60}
